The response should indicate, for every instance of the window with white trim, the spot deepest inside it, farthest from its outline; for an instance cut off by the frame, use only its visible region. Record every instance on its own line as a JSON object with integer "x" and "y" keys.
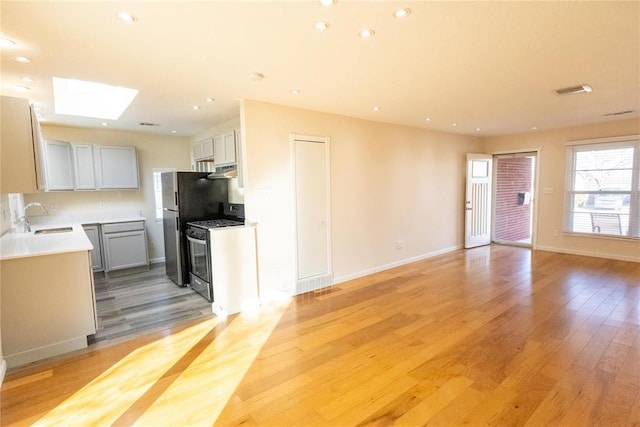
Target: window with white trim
{"x": 603, "y": 188}
{"x": 157, "y": 189}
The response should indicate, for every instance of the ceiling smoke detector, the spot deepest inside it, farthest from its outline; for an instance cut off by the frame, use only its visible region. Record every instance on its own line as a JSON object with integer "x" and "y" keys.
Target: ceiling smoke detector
{"x": 256, "y": 77}
{"x": 573, "y": 90}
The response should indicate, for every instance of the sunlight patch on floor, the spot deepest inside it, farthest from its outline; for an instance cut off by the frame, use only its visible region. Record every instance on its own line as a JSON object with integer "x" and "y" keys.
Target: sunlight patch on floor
{"x": 108, "y": 396}
{"x": 199, "y": 395}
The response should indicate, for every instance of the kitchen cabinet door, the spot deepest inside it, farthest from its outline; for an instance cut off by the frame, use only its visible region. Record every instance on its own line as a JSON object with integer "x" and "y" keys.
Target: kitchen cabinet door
{"x": 203, "y": 150}
{"x": 20, "y": 168}
{"x": 239, "y": 158}
{"x": 93, "y": 233}
{"x": 125, "y": 245}
{"x": 58, "y": 166}
{"x": 224, "y": 149}
{"x": 84, "y": 177}
{"x": 116, "y": 167}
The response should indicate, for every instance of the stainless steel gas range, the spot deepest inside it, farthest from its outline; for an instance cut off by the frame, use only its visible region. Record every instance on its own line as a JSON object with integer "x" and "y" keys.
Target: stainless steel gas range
{"x": 199, "y": 247}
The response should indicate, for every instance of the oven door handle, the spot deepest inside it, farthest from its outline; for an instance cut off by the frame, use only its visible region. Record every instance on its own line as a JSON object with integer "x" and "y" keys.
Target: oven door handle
{"x": 197, "y": 241}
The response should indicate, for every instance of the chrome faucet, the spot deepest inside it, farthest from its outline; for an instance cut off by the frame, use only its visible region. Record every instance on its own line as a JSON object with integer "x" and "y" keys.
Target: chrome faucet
{"x": 26, "y": 218}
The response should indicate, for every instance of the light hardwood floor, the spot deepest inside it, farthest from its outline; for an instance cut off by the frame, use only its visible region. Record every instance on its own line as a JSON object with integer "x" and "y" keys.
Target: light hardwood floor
{"x": 494, "y": 335}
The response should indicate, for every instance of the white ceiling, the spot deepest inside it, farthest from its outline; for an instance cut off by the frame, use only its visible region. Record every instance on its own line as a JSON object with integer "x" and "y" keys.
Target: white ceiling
{"x": 480, "y": 64}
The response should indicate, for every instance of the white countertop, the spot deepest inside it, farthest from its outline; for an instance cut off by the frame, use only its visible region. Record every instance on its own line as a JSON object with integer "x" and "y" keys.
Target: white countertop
{"x": 23, "y": 245}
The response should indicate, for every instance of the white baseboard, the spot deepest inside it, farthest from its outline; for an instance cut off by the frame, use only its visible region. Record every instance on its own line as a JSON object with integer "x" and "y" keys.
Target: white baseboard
{"x": 588, "y": 253}
{"x": 3, "y": 370}
{"x": 159, "y": 260}
{"x": 394, "y": 264}
{"x": 33, "y": 355}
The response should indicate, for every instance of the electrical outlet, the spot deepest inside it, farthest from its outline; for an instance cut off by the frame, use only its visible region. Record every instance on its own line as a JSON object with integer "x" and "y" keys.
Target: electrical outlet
{"x": 400, "y": 244}
{"x": 101, "y": 204}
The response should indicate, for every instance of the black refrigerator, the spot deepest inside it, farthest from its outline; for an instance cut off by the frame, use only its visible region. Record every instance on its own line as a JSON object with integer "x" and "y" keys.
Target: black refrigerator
{"x": 187, "y": 196}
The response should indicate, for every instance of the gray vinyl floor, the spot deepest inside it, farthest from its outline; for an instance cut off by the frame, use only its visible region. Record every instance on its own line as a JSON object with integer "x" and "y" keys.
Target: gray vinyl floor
{"x": 134, "y": 304}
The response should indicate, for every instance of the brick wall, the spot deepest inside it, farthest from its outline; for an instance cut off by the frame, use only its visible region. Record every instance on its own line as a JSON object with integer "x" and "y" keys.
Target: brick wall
{"x": 512, "y": 220}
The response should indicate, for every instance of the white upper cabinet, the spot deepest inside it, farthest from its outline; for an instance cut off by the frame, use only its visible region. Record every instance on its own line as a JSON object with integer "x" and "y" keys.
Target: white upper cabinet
{"x": 203, "y": 150}
{"x": 240, "y": 158}
{"x": 89, "y": 167}
{"x": 224, "y": 149}
{"x": 59, "y": 166}
{"x": 20, "y": 169}
{"x": 83, "y": 167}
{"x": 116, "y": 167}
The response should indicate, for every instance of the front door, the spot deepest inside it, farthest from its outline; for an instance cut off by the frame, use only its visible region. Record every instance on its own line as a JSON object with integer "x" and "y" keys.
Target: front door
{"x": 514, "y": 185}
{"x": 477, "y": 223}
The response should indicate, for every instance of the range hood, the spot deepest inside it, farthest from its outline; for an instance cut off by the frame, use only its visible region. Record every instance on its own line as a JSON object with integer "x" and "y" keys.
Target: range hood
{"x": 224, "y": 172}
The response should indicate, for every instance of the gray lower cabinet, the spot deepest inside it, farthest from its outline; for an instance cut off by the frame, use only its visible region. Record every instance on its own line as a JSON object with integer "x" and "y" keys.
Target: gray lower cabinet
{"x": 93, "y": 233}
{"x": 125, "y": 245}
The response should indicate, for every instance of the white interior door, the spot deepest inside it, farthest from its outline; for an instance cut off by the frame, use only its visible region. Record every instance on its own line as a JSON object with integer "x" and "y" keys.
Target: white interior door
{"x": 477, "y": 223}
{"x": 312, "y": 213}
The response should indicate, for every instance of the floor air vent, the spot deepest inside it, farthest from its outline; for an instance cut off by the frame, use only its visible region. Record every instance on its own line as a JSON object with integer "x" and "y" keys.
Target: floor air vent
{"x": 313, "y": 283}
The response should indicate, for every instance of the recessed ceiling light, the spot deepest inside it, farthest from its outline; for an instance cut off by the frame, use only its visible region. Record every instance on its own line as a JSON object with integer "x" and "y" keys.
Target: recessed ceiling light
{"x": 376, "y": 108}
{"x": 427, "y": 119}
{"x": 367, "y": 33}
{"x": 22, "y": 59}
{"x": 402, "y": 13}
{"x": 478, "y": 129}
{"x": 534, "y": 128}
{"x": 89, "y": 99}
{"x": 454, "y": 124}
{"x": 105, "y": 124}
{"x": 256, "y": 77}
{"x": 295, "y": 92}
{"x": 21, "y": 89}
{"x": 174, "y": 131}
{"x": 27, "y": 79}
{"x": 6, "y": 42}
{"x": 125, "y": 17}
{"x": 209, "y": 99}
{"x": 328, "y": 2}
{"x": 321, "y": 26}
{"x": 196, "y": 107}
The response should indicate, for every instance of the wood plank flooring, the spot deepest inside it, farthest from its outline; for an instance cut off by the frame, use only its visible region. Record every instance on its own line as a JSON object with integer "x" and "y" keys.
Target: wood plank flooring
{"x": 490, "y": 336}
{"x": 133, "y": 304}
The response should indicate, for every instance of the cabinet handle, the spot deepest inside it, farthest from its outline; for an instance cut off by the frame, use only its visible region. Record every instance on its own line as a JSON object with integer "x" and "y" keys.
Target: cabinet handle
{"x": 177, "y": 225}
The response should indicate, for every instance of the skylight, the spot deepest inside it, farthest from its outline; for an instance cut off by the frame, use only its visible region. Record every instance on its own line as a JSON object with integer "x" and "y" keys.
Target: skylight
{"x": 88, "y": 99}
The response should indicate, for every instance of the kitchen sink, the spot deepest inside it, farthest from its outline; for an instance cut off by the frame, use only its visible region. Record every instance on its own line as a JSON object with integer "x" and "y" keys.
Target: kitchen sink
{"x": 53, "y": 230}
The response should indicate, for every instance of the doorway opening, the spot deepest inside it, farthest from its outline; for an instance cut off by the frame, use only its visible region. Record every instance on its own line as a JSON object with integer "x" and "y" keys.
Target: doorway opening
{"x": 514, "y": 189}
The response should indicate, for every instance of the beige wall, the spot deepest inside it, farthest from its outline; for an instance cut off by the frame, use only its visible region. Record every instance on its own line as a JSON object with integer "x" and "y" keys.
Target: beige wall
{"x": 388, "y": 183}
{"x": 552, "y": 168}
{"x": 153, "y": 151}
